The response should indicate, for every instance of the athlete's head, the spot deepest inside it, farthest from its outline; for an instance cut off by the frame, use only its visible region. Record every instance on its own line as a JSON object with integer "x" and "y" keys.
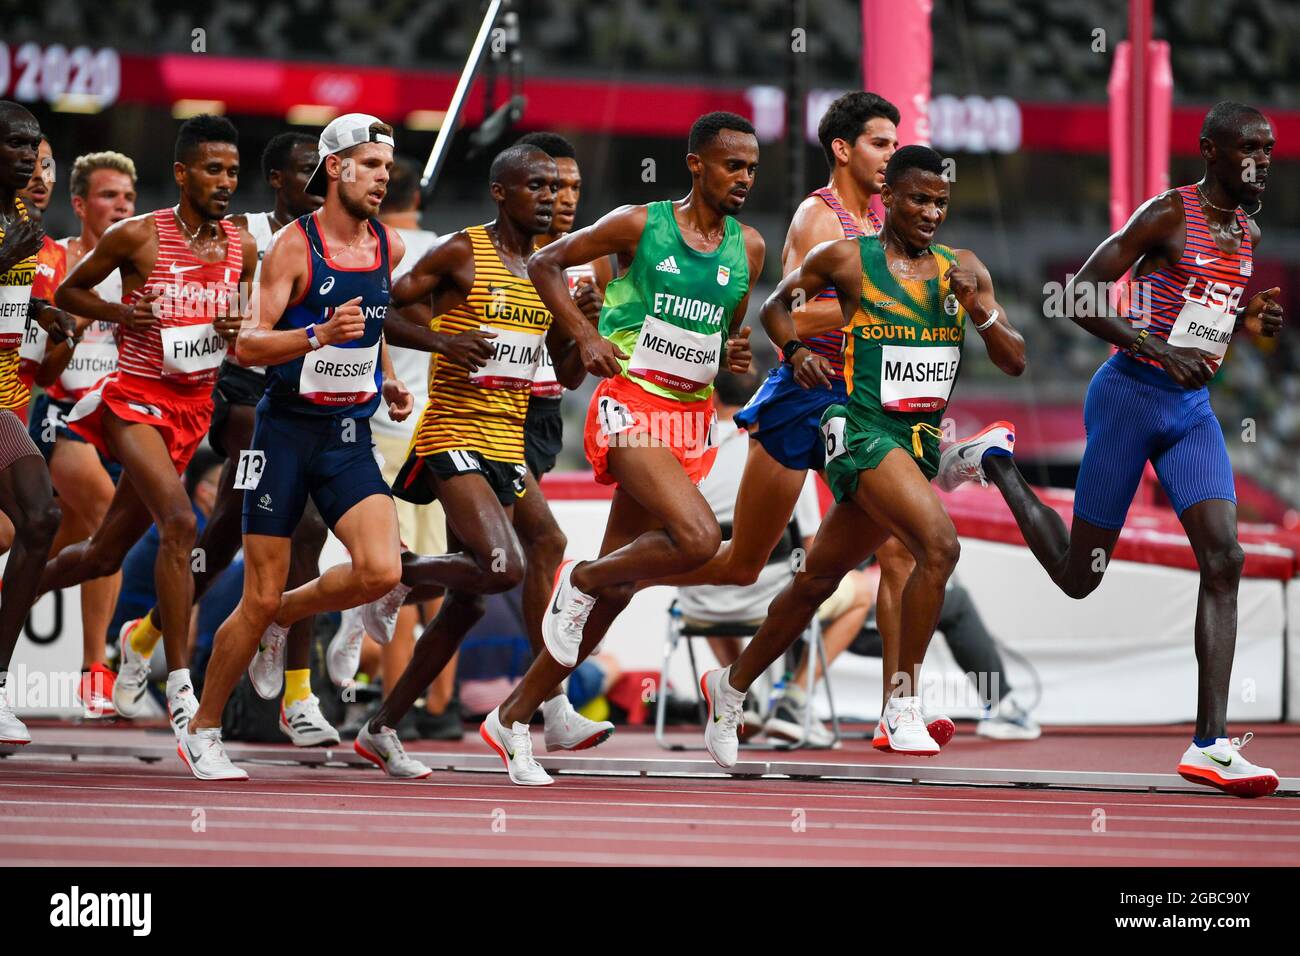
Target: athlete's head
{"x": 566, "y": 165}
{"x": 287, "y": 163}
{"x": 403, "y": 187}
{"x": 523, "y": 181}
{"x": 40, "y": 188}
{"x": 1237, "y": 146}
{"x": 103, "y": 189}
{"x": 20, "y": 140}
{"x": 356, "y": 159}
{"x": 859, "y": 132}
{"x": 915, "y": 195}
{"x": 722, "y": 154}
{"x": 207, "y": 163}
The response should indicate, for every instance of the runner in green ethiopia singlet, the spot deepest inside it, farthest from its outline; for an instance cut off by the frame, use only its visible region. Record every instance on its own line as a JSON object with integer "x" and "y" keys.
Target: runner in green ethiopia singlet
{"x": 672, "y": 310}
{"x": 901, "y": 358}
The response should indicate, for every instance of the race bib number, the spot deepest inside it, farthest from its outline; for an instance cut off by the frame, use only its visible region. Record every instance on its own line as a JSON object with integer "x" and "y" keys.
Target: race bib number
{"x": 333, "y": 375}
{"x": 90, "y": 362}
{"x": 914, "y": 379}
{"x": 675, "y": 357}
{"x": 833, "y": 437}
{"x": 1201, "y": 327}
{"x": 513, "y": 365}
{"x": 613, "y": 416}
{"x": 13, "y": 314}
{"x": 191, "y": 352}
{"x": 248, "y": 473}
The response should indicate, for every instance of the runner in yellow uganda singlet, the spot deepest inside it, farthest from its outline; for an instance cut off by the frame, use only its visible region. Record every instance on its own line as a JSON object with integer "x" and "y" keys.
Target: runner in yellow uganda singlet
{"x": 480, "y": 414}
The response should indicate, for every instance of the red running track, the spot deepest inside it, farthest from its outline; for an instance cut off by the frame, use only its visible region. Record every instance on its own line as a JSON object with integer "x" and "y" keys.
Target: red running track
{"x": 115, "y": 811}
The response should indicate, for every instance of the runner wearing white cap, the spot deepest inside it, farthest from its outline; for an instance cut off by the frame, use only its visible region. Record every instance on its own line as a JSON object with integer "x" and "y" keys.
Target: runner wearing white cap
{"x": 317, "y": 324}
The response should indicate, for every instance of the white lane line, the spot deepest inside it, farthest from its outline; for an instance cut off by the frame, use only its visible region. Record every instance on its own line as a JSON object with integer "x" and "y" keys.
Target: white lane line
{"x": 1210, "y": 799}
{"x": 541, "y": 856}
{"x": 200, "y": 792}
{"x": 213, "y": 822}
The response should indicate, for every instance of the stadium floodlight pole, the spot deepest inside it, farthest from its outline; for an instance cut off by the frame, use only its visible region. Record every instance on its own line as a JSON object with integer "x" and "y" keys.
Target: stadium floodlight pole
{"x": 442, "y": 144}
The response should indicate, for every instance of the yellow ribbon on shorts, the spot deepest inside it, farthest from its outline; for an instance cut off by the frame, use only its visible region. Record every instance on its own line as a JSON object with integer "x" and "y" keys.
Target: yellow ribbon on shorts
{"x": 917, "y": 450}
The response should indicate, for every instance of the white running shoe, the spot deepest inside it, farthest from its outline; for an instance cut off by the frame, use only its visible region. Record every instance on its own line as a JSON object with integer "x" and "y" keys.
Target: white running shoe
{"x": 385, "y": 751}
{"x": 380, "y": 617}
{"x": 206, "y": 756}
{"x": 181, "y": 708}
{"x": 723, "y": 717}
{"x": 1008, "y": 721}
{"x": 566, "y": 616}
{"x": 344, "y": 654}
{"x": 566, "y": 729}
{"x": 903, "y": 729}
{"x": 12, "y": 730}
{"x": 304, "y": 724}
{"x": 266, "y": 669}
{"x": 1222, "y": 766}
{"x": 515, "y": 748}
{"x": 962, "y": 461}
{"x": 131, "y": 688}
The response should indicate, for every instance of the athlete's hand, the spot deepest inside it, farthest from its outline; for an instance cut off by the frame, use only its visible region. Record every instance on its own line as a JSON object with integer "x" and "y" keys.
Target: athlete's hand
{"x": 1264, "y": 313}
{"x": 738, "y": 353}
{"x": 965, "y": 285}
{"x": 22, "y": 240}
{"x": 600, "y": 357}
{"x": 400, "y": 401}
{"x": 1189, "y": 367}
{"x": 588, "y": 297}
{"x": 810, "y": 369}
{"x": 228, "y": 326}
{"x": 347, "y": 323}
{"x": 141, "y": 314}
{"x": 58, "y": 324}
{"x": 471, "y": 349}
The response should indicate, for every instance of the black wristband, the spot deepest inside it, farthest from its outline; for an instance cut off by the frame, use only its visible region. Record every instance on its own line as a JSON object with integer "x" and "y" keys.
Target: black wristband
{"x": 788, "y": 350}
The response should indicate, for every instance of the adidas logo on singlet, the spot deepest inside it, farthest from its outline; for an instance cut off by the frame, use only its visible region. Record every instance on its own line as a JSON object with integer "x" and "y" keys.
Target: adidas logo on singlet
{"x": 669, "y": 265}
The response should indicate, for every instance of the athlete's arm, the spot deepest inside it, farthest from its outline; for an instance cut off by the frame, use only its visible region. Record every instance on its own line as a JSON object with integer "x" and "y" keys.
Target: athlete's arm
{"x": 617, "y": 232}
{"x": 396, "y": 394}
{"x": 229, "y": 325}
{"x": 446, "y": 273}
{"x": 973, "y": 287}
{"x": 1149, "y": 234}
{"x": 115, "y": 250}
{"x": 738, "y": 353}
{"x": 831, "y": 263}
{"x": 284, "y": 277}
{"x": 569, "y": 370}
{"x": 814, "y": 223}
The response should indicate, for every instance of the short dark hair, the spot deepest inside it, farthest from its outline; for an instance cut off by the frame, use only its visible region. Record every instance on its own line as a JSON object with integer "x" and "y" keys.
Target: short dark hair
{"x": 847, "y": 115}
{"x": 276, "y": 155}
{"x": 706, "y": 129}
{"x": 204, "y": 460}
{"x": 735, "y": 388}
{"x": 403, "y": 186}
{"x": 204, "y": 128}
{"x": 510, "y": 157}
{"x": 912, "y": 157}
{"x": 552, "y": 144}
{"x": 1225, "y": 119}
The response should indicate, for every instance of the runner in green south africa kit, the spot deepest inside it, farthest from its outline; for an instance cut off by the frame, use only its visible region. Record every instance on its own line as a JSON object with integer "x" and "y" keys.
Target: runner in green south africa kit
{"x": 905, "y": 301}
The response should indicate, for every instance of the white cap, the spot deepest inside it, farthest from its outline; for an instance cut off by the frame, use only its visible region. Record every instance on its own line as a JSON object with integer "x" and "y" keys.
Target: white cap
{"x": 343, "y": 132}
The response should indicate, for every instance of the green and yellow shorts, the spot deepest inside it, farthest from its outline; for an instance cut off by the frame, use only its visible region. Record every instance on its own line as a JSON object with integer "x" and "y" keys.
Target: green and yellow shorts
{"x": 855, "y": 443}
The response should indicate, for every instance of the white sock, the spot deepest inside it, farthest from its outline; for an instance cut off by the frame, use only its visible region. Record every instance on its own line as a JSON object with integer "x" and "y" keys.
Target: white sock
{"x": 177, "y": 679}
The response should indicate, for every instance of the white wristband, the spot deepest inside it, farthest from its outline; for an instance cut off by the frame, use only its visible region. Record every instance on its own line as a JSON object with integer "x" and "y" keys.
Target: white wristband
{"x": 993, "y": 317}
{"x": 312, "y": 338}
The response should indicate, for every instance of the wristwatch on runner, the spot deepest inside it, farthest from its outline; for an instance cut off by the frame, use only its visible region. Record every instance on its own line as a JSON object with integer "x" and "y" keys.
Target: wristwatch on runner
{"x": 788, "y": 350}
